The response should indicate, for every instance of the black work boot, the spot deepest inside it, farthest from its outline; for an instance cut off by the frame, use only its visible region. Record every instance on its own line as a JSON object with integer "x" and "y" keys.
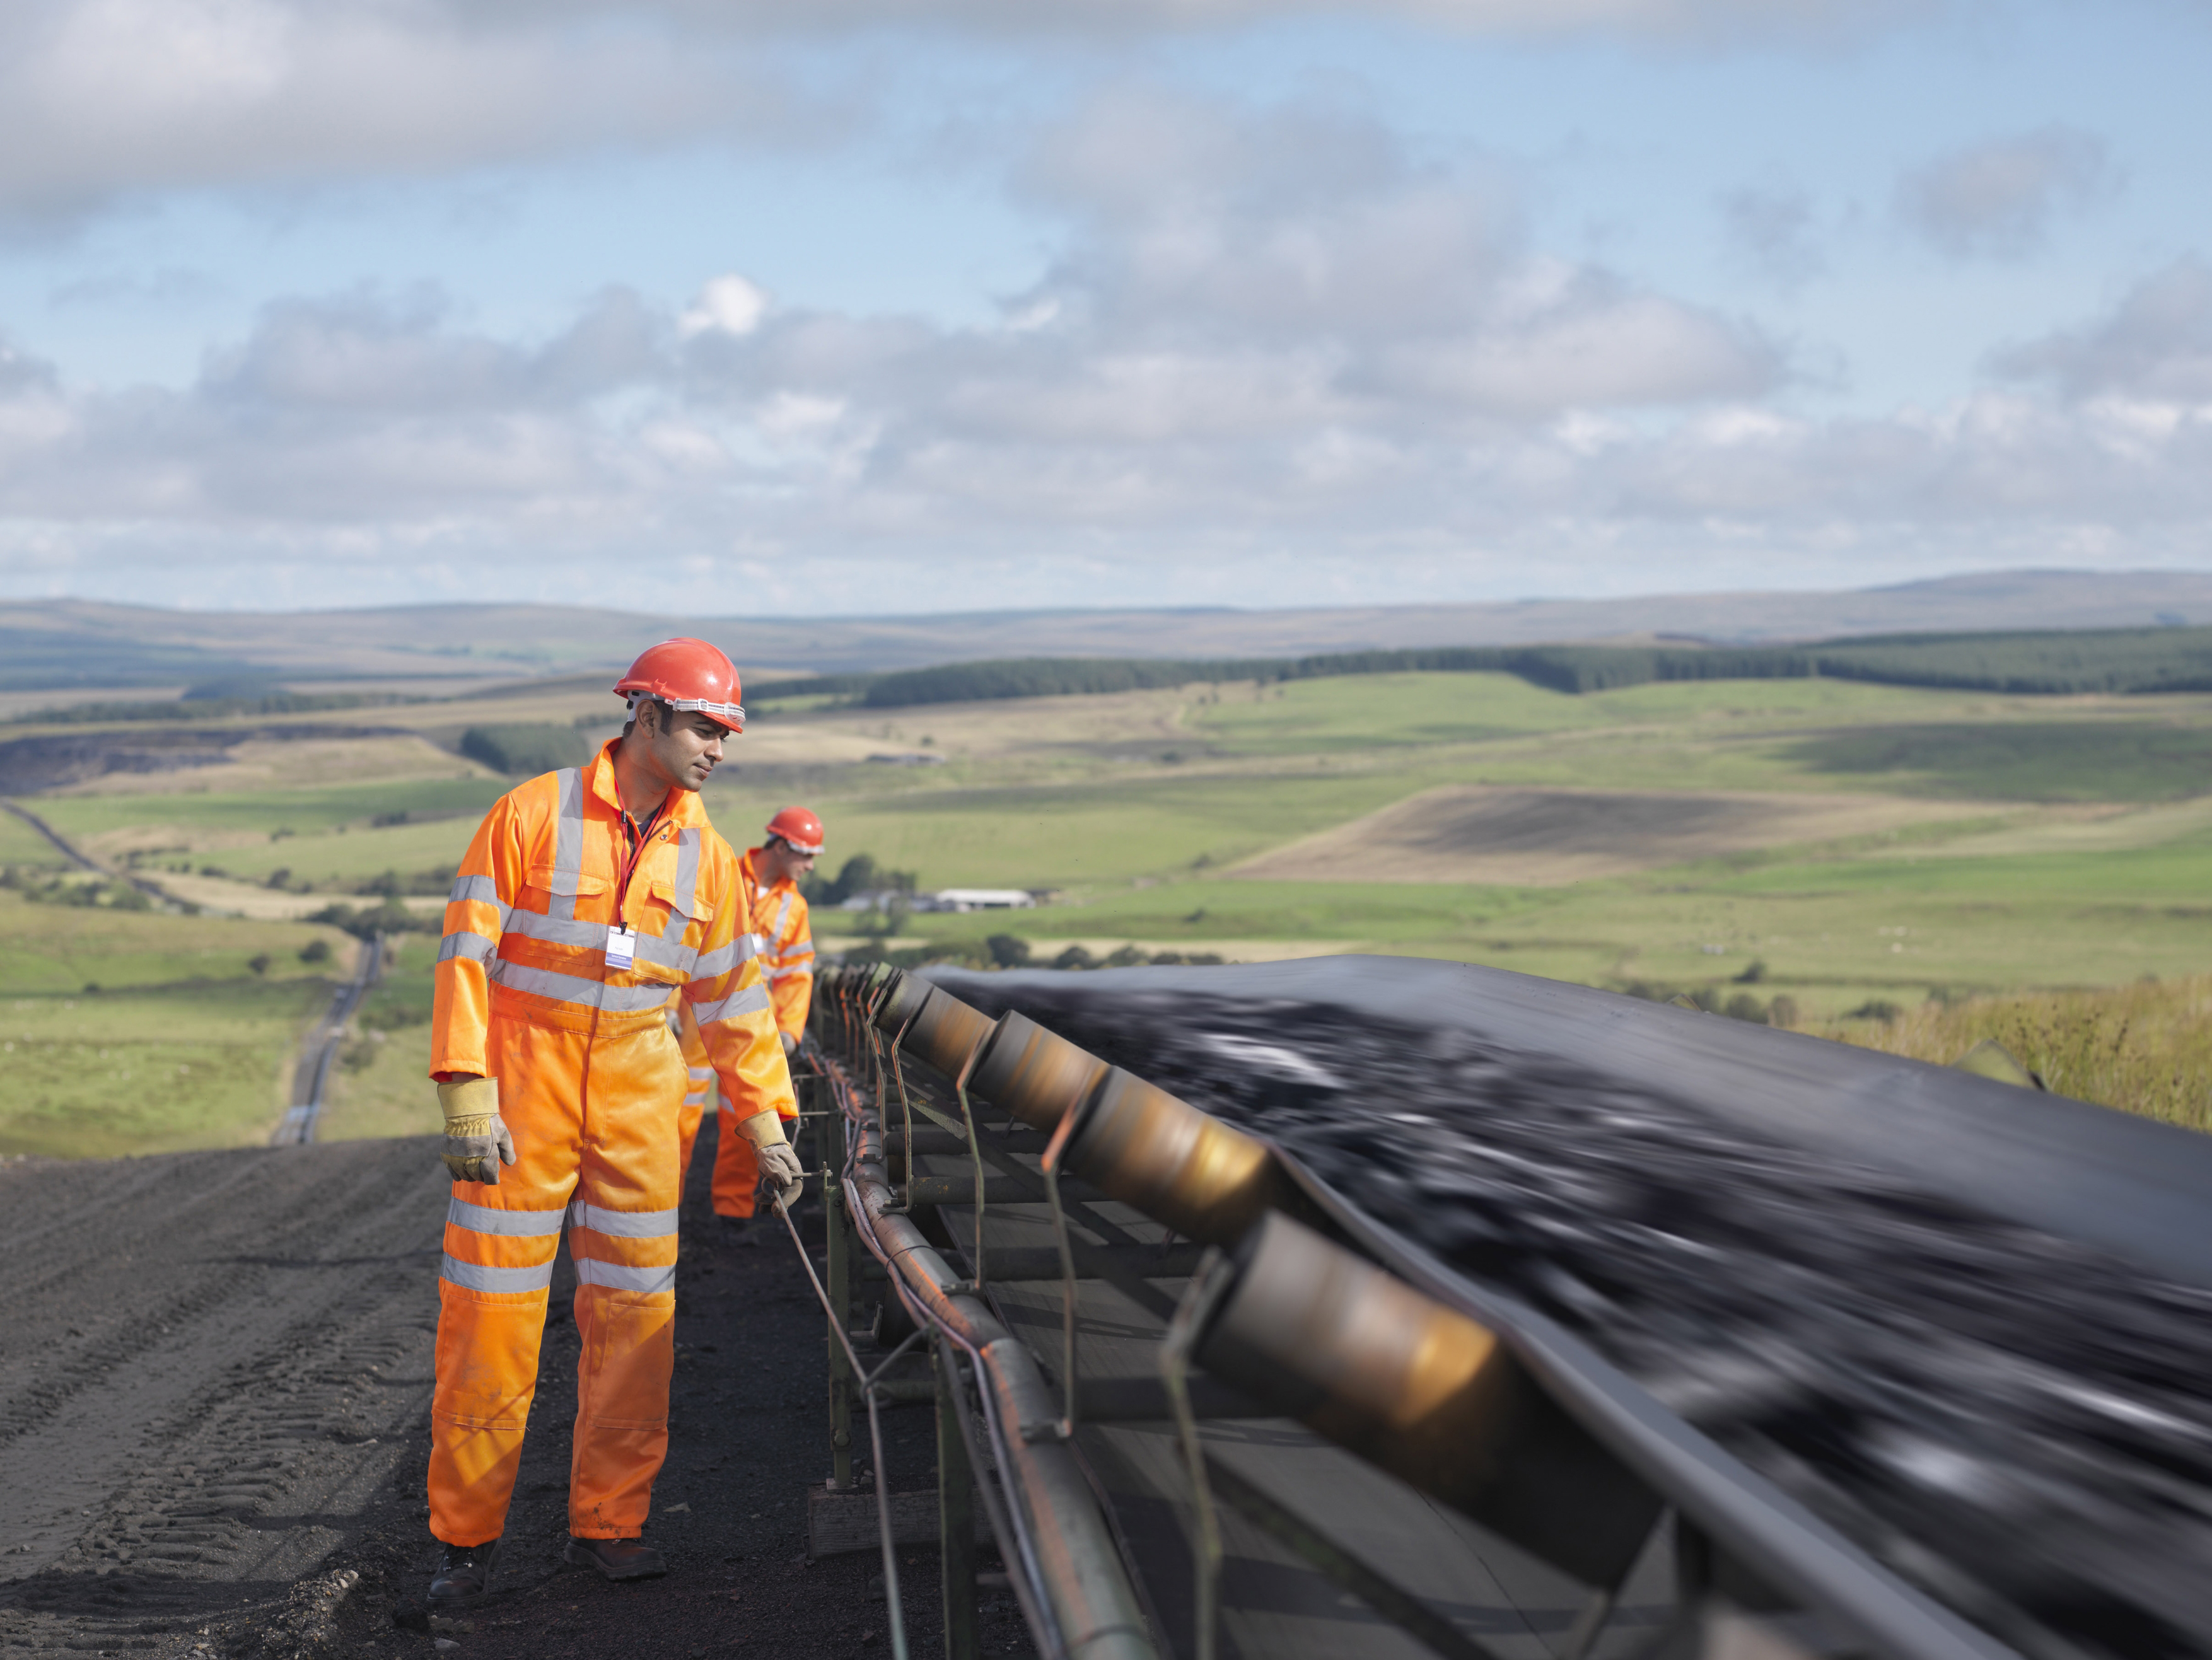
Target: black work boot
{"x": 738, "y": 1230}
{"x": 617, "y": 1559}
{"x": 463, "y": 1575}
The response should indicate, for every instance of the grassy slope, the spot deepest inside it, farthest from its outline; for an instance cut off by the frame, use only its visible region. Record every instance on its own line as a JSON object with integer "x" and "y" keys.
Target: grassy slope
{"x": 182, "y": 1046}
{"x": 21, "y": 845}
{"x": 380, "y": 1086}
{"x": 2145, "y": 1047}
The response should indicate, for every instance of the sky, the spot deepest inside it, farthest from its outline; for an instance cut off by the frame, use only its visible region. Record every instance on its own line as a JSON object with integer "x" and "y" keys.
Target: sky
{"x": 901, "y": 306}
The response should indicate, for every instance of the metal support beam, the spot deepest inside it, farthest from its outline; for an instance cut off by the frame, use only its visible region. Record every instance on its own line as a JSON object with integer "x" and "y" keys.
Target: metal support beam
{"x": 1340, "y": 1568}
{"x": 1011, "y": 1264}
{"x": 1144, "y": 1401}
{"x": 839, "y": 1229}
{"x": 955, "y": 1511}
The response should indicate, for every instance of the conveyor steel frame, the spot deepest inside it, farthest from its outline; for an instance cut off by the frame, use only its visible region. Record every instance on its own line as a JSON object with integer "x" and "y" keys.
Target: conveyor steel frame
{"x": 1058, "y": 1546}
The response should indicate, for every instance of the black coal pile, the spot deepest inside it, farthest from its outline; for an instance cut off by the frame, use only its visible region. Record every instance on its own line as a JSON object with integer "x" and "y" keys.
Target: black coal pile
{"x": 2014, "y": 1422}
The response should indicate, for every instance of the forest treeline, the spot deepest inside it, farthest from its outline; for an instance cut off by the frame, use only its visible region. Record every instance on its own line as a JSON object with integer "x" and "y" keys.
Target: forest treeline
{"x": 2057, "y": 662}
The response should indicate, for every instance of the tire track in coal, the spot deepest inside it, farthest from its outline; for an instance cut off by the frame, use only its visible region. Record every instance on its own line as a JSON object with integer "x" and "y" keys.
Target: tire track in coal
{"x": 209, "y": 1373}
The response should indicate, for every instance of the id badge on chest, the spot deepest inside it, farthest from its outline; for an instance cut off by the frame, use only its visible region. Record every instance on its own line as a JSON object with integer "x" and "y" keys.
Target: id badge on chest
{"x": 622, "y": 946}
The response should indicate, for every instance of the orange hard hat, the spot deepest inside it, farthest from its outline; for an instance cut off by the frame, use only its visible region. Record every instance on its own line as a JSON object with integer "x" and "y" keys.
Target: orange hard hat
{"x": 690, "y": 675}
{"x": 799, "y": 827}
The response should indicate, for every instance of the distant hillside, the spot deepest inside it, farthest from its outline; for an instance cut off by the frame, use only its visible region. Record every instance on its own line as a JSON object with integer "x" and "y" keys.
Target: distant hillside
{"x": 2044, "y": 663}
{"x": 77, "y": 644}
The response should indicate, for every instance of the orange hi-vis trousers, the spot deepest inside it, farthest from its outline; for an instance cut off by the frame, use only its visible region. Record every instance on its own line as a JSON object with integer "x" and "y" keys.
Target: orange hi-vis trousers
{"x": 591, "y": 1099}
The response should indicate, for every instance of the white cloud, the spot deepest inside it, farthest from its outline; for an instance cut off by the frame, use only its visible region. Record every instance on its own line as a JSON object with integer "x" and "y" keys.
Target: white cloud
{"x": 728, "y": 305}
{"x": 103, "y": 100}
{"x": 1998, "y": 200}
{"x": 2156, "y": 345}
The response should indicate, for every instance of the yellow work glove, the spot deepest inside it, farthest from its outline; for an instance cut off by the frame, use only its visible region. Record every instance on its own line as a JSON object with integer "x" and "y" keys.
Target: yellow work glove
{"x": 477, "y": 1141}
{"x": 778, "y": 1162}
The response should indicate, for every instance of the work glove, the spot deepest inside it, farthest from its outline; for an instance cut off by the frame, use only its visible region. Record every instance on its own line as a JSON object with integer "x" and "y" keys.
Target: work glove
{"x": 477, "y": 1141}
{"x": 779, "y": 1163}
{"x": 790, "y": 1045}
{"x": 779, "y": 1160}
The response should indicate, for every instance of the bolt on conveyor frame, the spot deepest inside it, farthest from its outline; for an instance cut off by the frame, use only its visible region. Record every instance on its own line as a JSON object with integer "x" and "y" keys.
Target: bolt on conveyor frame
{"x": 1533, "y": 1435}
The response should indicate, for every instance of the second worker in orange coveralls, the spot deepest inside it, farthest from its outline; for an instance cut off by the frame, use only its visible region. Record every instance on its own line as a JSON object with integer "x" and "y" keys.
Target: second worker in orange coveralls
{"x": 784, "y": 934}
{"x": 589, "y": 899}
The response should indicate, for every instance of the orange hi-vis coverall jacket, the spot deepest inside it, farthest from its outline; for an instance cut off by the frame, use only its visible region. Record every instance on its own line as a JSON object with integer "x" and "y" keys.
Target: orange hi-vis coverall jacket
{"x": 784, "y": 937}
{"x": 786, "y": 933}
{"x": 590, "y": 1084}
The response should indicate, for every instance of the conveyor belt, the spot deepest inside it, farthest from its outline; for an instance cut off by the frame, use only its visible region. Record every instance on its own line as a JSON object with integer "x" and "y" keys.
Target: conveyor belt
{"x": 1897, "y": 1338}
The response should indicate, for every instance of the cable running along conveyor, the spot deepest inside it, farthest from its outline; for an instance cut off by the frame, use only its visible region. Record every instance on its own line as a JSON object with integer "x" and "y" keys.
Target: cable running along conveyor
{"x": 1381, "y": 1307}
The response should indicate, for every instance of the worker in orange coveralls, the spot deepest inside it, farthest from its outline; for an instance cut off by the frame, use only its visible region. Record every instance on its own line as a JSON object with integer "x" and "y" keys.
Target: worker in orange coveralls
{"x": 786, "y": 939}
{"x": 589, "y": 899}
{"x": 783, "y": 934}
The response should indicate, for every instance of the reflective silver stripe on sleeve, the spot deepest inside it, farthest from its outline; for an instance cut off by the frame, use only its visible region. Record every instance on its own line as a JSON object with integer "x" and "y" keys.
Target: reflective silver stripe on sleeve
{"x": 473, "y": 1276}
{"x": 465, "y": 943}
{"x": 617, "y": 1276}
{"x": 753, "y": 999}
{"x": 623, "y": 1224}
{"x": 774, "y": 974}
{"x": 512, "y": 1223}
{"x": 477, "y": 891}
{"x": 798, "y": 953}
{"x": 711, "y": 965}
{"x": 569, "y": 842}
{"x": 586, "y": 993}
{"x": 687, "y": 882}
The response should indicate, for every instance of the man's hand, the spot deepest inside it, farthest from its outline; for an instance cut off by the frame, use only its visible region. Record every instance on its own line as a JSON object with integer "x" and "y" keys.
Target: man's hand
{"x": 790, "y": 1045}
{"x": 477, "y": 1141}
{"x": 780, "y": 1165}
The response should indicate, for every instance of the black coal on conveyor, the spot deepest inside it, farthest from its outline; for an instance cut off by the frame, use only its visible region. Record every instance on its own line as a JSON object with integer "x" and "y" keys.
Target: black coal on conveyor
{"x": 1968, "y": 1325}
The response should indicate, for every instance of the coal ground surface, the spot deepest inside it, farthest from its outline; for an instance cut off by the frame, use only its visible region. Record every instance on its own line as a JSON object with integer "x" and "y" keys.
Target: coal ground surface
{"x": 2017, "y": 1423}
{"x": 215, "y": 1382}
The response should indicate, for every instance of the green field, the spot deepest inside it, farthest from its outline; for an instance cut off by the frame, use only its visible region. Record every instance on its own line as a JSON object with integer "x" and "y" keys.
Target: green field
{"x": 132, "y": 1032}
{"x": 2030, "y": 844}
{"x": 381, "y": 1085}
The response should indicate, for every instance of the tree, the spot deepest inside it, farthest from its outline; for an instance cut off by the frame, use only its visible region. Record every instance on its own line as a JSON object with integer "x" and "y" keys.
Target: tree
{"x": 1008, "y": 951}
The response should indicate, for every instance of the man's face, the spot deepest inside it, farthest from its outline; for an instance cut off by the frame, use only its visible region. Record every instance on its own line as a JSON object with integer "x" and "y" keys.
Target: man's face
{"x": 787, "y": 862}
{"x": 688, "y": 751}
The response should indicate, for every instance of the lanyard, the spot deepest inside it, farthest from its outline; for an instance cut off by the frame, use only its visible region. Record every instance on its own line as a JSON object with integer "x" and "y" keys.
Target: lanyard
{"x": 636, "y": 839}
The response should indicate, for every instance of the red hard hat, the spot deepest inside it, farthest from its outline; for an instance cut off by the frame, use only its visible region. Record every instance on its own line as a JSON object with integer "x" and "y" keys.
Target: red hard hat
{"x": 687, "y": 674}
{"x": 800, "y": 828}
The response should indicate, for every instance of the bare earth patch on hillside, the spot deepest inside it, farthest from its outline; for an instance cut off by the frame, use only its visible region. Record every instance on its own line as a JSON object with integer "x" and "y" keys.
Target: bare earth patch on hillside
{"x": 300, "y": 762}
{"x": 1548, "y": 837}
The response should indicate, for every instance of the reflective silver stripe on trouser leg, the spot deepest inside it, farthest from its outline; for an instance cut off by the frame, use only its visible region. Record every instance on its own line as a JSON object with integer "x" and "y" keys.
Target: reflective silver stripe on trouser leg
{"x": 505, "y": 1224}
{"x": 650, "y": 1280}
{"x": 568, "y": 843}
{"x": 687, "y": 883}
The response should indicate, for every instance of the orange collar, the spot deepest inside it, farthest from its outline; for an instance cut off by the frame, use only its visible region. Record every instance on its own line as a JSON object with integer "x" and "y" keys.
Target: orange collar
{"x": 682, "y": 809}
